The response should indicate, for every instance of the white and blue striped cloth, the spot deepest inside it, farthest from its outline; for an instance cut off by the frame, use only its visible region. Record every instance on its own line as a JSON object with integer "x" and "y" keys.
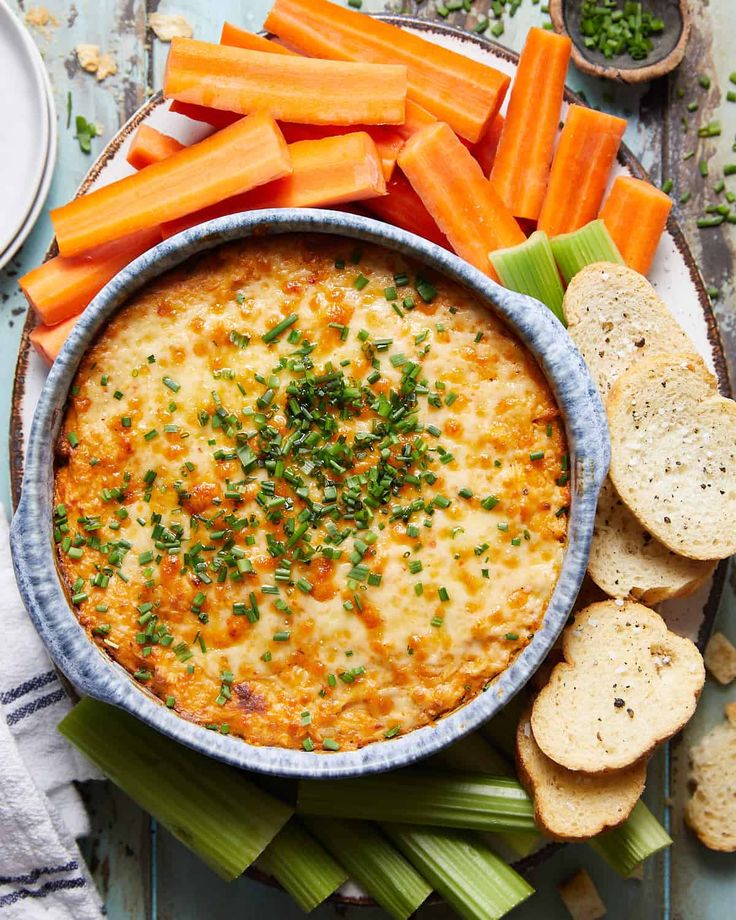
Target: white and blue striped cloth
{"x": 42, "y": 874}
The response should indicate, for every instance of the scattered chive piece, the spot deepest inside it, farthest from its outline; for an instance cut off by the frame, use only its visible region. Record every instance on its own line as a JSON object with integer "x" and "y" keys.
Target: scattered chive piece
{"x": 443, "y": 594}
{"x": 729, "y": 169}
{"x": 536, "y": 455}
{"x": 692, "y": 106}
{"x": 704, "y": 81}
{"x": 73, "y": 439}
{"x": 703, "y": 168}
{"x": 730, "y": 96}
{"x": 704, "y": 223}
{"x": 667, "y": 186}
{"x": 360, "y": 282}
{"x": 329, "y": 744}
{"x": 712, "y": 129}
{"x": 273, "y": 333}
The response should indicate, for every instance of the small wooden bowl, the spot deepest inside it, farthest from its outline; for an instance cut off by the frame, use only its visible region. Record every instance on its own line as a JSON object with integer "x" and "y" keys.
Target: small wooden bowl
{"x": 668, "y": 51}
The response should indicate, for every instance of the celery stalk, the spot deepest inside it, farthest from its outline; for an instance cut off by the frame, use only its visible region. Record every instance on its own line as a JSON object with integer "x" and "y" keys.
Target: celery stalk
{"x": 529, "y": 268}
{"x": 591, "y": 243}
{"x": 374, "y": 864}
{"x": 629, "y": 844}
{"x": 463, "y": 869}
{"x": 469, "y": 800}
{"x": 302, "y": 866}
{"x": 211, "y": 808}
{"x": 501, "y": 730}
{"x": 474, "y": 754}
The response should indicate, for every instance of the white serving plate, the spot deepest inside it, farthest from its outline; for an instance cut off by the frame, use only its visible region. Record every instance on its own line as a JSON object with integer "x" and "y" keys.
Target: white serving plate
{"x": 27, "y": 134}
{"x": 674, "y": 274}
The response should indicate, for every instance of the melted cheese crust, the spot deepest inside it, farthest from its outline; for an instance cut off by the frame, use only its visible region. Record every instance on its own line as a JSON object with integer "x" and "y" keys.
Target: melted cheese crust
{"x": 334, "y": 655}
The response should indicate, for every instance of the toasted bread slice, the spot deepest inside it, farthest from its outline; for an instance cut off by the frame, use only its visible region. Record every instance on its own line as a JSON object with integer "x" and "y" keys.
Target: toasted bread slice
{"x": 711, "y": 810}
{"x": 570, "y": 805}
{"x": 673, "y": 454}
{"x": 581, "y": 898}
{"x": 615, "y": 316}
{"x": 626, "y": 561}
{"x": 720, "y": 658}
{"x": 626, "y": 684}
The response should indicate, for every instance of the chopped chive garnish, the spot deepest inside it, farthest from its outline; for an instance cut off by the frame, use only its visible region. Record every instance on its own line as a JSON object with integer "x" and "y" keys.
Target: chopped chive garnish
{"x": 73, "y": 439}
{"x": 275, "y": 331}
{"x": 360, "y": 282}
{"x": 330, "y": 745}
{"x": 171, "y": 384}
{"x": 443, "y": 594}
{"x": 536, "y": 455}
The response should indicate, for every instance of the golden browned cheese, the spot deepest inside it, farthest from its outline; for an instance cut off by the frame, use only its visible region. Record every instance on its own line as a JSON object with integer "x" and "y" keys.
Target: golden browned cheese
{"x": 305, "y": 501}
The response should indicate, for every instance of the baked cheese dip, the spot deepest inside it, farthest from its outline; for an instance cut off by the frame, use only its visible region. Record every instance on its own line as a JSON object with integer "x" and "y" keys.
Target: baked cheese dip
{"x": 308, "y": 495}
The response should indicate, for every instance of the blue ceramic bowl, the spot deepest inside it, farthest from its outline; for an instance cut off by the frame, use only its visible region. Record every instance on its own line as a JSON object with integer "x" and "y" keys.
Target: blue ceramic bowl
{"x": 93, "y": 673}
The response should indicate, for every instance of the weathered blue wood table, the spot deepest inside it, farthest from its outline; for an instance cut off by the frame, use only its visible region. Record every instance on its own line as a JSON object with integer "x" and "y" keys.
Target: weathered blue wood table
{"x": 141, "y": 871}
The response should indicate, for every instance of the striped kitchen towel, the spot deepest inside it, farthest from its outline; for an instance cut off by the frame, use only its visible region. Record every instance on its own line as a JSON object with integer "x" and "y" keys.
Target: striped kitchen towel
{"x": 42, "y": 874}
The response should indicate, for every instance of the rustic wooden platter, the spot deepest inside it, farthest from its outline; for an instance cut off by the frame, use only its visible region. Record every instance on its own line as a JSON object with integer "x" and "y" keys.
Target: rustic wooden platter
{"x": 675, "y": 275}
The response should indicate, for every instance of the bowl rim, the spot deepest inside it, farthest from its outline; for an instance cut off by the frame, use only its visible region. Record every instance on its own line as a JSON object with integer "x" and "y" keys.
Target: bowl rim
{"x": 96, "y": 674}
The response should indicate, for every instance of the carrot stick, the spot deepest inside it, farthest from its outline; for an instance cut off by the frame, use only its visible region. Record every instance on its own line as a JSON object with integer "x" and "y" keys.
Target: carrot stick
{"x": 387, "y": 140}
{"x": 455, "y": 88}
{"x": 454, "y": 190}
{"x": 485, "y": 150}
{"x": 241, "y": 38}
{"x": 48, "y": 340}
{"x": 61, "y": 287}
{"x": 521, "y": 168}
{"x": 583, "y": 160}
{"x": 215, "y": 117}
{"x": 326, "y": 172}
{"x": 635, "y": 214}
{"x": 416, "y": 118}
{"x": 246, "y": 154}
{"x": 289, "y": 87}
{"x": 151, "y": 146}
{"x": 402, "y": 207}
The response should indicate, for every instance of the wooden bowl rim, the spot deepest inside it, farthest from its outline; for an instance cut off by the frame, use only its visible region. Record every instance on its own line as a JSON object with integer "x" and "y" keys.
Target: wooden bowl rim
{"x": 628, "y": 75}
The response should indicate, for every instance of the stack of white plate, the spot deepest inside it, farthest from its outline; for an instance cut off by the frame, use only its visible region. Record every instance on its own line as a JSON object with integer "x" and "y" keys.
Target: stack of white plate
{"x": 27, "y": 134}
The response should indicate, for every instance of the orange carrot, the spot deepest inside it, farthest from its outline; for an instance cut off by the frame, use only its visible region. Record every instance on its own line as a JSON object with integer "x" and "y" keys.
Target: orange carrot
{"x": 453, "y": 87}
{"x": 387, "y": 140}
{"x": 485, "y": 150}
{"x": 215, "y": 117}
{"x": 416, "y": 118}
{"x": 289, "y": 87}
{"x": 150, "y": 146}
{"x": 326, "y": 172}
{"x": 583, "y": 160}
{"x": 635, "y": 214}
{"x": 61, "y": 287}
{"x": 521, "y": 167}
{"x": 48, "y": 340}
{"x": 246, "y": 154}
{"x": 241, "y": 38}
{"x": 454, "y": 190}
{"x": 402, "y": 207}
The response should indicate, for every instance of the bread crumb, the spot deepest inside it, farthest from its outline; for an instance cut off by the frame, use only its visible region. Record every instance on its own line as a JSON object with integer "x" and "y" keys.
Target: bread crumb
{"x": 90, "y": 59}
{"x": 581, "y": 898}
{"x": 38, "y": 17}
{"x": 720, "y": 658}
{"x": 106, "y": 67}
{"x": 167, "y": 26}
